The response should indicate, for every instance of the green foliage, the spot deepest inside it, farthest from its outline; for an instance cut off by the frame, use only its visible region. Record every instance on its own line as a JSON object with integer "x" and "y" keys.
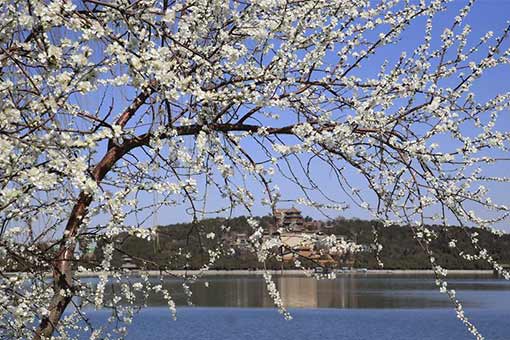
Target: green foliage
{"x": 400, "y": 248}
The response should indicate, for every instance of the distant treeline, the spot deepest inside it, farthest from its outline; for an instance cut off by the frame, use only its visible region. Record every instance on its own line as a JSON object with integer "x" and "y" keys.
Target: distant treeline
{"x": 400, "y": 249}
{"x": 185, "y": 246}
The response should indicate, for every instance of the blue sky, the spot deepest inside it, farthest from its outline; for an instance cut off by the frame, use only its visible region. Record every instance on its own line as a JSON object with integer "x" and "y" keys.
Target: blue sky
{"x": 486, "y": 15}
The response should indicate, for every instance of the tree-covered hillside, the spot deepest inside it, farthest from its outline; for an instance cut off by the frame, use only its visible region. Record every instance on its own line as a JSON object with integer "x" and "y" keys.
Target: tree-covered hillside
{"x": 400, "y": 249}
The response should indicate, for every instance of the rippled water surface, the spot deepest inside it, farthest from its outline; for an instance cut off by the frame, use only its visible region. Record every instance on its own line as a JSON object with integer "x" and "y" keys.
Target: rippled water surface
{"x": 349, "y": 307}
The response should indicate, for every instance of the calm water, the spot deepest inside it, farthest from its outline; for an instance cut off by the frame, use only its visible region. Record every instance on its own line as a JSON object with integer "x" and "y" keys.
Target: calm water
{"x": 350, "y": 307}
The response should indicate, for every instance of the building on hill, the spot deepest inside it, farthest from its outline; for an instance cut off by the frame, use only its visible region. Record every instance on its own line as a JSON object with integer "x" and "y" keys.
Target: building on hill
{"x": 292, "y": 219}
{"x": 289, "y": 219}
{"x": 301, "y": 238}
{"x": 304, "y": 245}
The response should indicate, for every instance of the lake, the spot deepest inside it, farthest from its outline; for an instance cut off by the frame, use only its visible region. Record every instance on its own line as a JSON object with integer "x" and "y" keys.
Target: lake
{"x": 349, "y": 307}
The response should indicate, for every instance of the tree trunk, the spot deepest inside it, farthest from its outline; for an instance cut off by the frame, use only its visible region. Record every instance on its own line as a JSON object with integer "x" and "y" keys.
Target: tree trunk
{"x": 62, "y": 265}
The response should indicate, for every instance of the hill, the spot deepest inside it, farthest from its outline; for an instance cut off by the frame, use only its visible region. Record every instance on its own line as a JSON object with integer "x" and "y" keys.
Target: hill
{"x": 185, "y": 245}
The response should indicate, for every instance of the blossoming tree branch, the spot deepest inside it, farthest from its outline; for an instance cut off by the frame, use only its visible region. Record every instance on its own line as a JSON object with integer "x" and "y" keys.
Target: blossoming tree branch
{"x": 108, "y": 102}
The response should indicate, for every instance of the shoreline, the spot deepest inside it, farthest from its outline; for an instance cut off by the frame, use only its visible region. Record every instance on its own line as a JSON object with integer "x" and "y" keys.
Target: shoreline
{"x": 297, "y": 272}
{"x": 286, "y": 272}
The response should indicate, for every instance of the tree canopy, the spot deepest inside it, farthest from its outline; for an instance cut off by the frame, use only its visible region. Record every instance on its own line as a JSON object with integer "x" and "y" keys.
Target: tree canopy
{"x": 113, "y": 109}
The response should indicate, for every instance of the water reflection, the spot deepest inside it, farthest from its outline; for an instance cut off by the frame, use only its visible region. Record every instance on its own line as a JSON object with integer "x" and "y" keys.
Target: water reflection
{"x": 348, "y": 291}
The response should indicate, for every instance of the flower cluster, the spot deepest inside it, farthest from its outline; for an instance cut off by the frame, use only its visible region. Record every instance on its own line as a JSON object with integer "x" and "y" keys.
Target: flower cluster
{"x": 112, "y": 113}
